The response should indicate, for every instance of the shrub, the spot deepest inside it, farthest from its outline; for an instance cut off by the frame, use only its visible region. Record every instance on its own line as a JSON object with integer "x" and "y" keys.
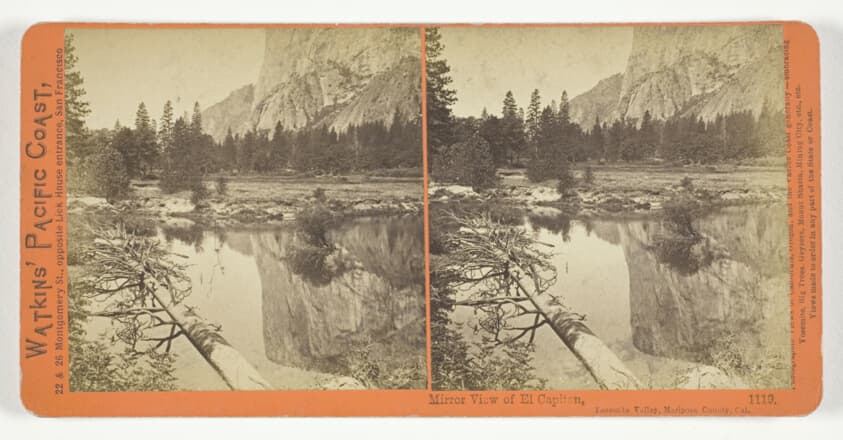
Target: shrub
{"x": 687, "y": 183}
{"x": 566, "y": 181}
{"x": 313, "y": 224}
{"x": 222, "y": 185}
{"x": 377, "y": 365}
{"x": 320, "y": 195}
{"x": 545, "y": 167}
{"x": 684, "y": 249}
{"x": 588, "y": 175}
{"x": 198, "y": 191}
{"x": 171, "y": 181}
{"x": 679, "y": 215}
{"x": 539, "y": 170}
{"x": 467, "y": 163}
{"x": 310, "y": 258}
{"x": 109, "y": 176}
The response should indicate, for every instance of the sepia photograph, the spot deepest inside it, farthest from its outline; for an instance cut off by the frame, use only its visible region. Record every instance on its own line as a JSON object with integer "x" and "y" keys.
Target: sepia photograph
{"x": 350, "y": 219}
{"x": 245, "y": 208}
{"x": 608, "y": 207}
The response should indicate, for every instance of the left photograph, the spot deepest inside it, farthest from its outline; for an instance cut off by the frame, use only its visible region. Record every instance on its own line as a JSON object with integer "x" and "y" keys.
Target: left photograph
{"x": 245, "y": 208}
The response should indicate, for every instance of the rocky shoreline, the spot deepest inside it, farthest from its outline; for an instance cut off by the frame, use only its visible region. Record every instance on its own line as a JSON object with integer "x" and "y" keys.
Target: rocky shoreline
{"x": 225, "y": 212}
{"x": 593, "y": 201}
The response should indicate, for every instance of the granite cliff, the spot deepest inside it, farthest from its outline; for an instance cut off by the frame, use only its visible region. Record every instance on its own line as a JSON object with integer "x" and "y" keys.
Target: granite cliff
{"x": 331, "y": 76}
{"x": 702, "y": 70}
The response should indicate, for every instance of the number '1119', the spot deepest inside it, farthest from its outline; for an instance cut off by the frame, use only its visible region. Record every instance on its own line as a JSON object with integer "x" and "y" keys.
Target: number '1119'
{"x": 762, "y": 399}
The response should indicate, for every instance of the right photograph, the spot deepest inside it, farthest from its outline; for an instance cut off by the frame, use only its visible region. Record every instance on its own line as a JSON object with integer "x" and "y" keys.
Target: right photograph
{"x": 608, "y": 207}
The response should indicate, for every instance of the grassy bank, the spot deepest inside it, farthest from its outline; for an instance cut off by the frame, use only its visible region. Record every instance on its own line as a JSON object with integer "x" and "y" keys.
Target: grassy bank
{"x": 630, "y": 189}
{"x": 260, "y": 200}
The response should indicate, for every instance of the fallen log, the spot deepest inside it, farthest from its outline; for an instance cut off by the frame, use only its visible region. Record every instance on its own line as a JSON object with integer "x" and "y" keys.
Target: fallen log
{"x": 605, "y": 367}
{"x": 136, "y": 270}
{"x": 237, "y": 372}
{"x": 481, "y": 249}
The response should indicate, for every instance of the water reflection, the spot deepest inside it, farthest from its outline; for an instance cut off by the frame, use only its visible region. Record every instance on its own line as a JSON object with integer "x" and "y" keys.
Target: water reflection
{"x": 289, "y": 321}
{"x": 731, "y": 312}
{"x": 187, "y": 233}
{"x": 377, "y": 292}
{"x": 664, "y": 322}
{"x": 555, "y": 223}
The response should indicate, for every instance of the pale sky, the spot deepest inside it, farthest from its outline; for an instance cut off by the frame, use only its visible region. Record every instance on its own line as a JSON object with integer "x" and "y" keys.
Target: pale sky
{"x": 122, "y": 67}
{"x": 486, "y": 62}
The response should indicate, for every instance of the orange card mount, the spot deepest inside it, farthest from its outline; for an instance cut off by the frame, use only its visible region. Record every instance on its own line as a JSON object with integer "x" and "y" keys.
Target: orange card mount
{"x": 437, "y": 220}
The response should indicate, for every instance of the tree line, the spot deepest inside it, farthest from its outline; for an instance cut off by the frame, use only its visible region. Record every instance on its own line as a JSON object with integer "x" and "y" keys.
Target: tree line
{"x": 367, "y": 146}
{"x": 178, "y": 151}
{"x": 545, "y": 140}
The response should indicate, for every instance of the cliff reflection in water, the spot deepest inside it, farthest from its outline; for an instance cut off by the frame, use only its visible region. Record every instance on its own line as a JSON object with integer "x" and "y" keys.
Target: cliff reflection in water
{"x": 725, "y": 324}
{"x": 732, "y": 313}
{"x": 377, "y": 295}
{"x": 305, "y": 331}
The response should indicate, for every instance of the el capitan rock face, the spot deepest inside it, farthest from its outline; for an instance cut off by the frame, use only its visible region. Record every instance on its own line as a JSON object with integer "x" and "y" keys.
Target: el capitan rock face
{"x": 332, "y": 76}
{"x": 701, "y": 70}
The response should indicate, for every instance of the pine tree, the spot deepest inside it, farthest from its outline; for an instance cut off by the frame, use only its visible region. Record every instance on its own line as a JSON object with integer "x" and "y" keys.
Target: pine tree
{"x": 279, "y": 148}
{"x": 110, "y": 177}
{"x": 144, "y": 144}
{"x": 439, "y": 97}
{"x": 614, "y": 140}
{"x": 534, "y": 113}
{"x": 510, "y": 108}
{"x": 648, "y": 137}
{"x": 196, "y": 120}
{"x": 229, "y": 152}
{"x": 550, "y": 159}
{"x": 76, "y": 108}
{"x": 597, "y": 140}
{"x": 178, "y": 167}
{"x": 564, "y": 109}
{"x": 165, "y": 132}
{"x": 246, "y": 152}
{"x": 512, "y": 128}
{"x": 491, "y": 129}
{"x": 770, "y": 131}
{"x": 200, "y": 144}
{"x": 630, "y": 142}
{"x": 80, "y": 144}
{"x": 263, "y": 152}
{"x": 142, "y": 118}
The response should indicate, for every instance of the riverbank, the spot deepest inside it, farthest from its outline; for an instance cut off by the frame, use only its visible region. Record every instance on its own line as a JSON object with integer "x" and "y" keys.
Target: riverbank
{"x": 238, "y": 250}
{"x": 266, "y": 200}
{"x": 629, "y": 189}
